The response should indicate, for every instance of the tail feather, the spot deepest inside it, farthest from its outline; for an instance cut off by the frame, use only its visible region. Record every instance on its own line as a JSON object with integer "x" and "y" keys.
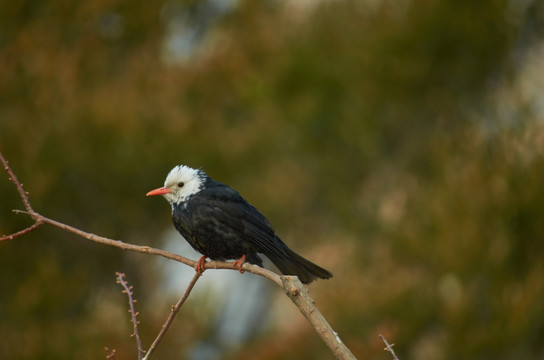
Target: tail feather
{"x": 294, "y": 264}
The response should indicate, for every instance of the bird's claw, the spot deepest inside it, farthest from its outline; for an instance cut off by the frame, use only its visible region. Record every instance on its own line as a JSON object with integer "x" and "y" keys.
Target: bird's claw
{"x": 199, "y": 266}
{"x": 238, "y": 264}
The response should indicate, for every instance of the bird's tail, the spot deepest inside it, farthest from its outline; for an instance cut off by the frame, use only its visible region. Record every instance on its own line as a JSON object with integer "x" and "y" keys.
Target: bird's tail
{"x": 294, "y": 264}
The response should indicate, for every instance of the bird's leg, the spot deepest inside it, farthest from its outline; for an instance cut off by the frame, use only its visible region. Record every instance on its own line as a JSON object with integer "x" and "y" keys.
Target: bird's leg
{"x": 238, "y": 264}
{"x": 199, "y": 266}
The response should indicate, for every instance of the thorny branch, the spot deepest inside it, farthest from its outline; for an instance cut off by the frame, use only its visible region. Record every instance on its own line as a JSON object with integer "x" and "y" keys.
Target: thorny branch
{"x": 121, "y": 279}
{"x": 292, "y": 288}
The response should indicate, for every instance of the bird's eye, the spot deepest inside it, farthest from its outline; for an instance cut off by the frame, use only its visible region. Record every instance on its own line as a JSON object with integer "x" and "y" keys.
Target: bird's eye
{"x": 181, "y": 183}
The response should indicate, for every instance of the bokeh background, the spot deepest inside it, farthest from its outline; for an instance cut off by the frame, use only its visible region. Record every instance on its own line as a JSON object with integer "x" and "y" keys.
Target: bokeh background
{"x": 398, "y": 143}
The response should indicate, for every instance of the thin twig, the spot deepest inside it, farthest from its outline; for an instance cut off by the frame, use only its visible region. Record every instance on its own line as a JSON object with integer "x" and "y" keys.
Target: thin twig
{"x": 17, "y": 183}
{"x": 121, "y": 279}
{"x": 173, "y": 313}
{"x": 389, "y": 347}
{"x": 21, "y": 232}
{"x": 24, "y": 197}
{"x": 110, "y": 354}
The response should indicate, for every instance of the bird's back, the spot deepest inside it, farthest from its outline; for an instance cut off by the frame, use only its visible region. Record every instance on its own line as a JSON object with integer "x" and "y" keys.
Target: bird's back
{"x": 221, "y": 224}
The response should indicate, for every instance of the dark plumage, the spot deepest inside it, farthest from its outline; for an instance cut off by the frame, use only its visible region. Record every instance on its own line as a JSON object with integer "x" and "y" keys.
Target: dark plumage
{"x": 219, "y": 223}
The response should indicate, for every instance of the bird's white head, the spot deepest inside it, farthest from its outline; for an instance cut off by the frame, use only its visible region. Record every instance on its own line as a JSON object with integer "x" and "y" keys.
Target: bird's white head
{"x": 181, "y": 183}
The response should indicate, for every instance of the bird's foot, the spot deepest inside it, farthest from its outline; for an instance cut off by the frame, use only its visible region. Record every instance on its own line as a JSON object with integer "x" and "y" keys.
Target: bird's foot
{"x": 199, "y": 266}
{"x": 238, "y": 264}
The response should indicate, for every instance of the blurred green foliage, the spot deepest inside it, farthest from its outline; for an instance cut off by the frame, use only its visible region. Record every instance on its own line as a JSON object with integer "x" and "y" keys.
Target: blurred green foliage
{"x": 389, "y": 141}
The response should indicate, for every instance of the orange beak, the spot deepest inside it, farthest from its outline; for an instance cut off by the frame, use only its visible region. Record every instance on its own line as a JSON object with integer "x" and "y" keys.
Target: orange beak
{"x": 159, "y": 191}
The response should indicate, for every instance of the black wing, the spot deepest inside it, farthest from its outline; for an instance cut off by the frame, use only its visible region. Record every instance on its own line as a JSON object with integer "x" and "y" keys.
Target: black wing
{"x": 226, "y": 206}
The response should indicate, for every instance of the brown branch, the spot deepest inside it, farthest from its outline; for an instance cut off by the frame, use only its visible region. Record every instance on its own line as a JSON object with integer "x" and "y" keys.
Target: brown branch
{"x": 24, "y": 197}
{"x": 299, "y": 295}
{"x": 290, "y": 284}
{"x": 173, "y": 312}
{"x": 389, "y": 347}
{"x": 18, "y": 185}
{"x": 21, "y": 232}
{"x": 121, "y": 279}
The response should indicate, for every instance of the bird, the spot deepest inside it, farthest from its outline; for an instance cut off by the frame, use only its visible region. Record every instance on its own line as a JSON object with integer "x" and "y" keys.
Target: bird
{"x": 221, "y": 225}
